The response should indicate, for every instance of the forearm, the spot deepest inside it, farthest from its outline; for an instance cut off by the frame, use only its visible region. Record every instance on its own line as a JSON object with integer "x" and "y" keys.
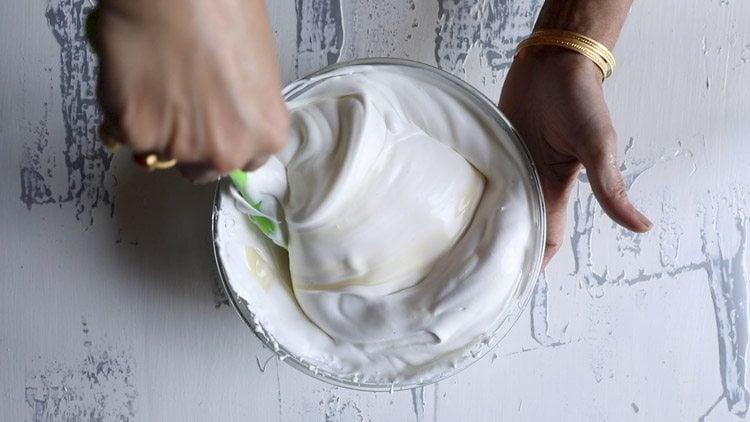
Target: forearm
{"x": 601, "y": 20}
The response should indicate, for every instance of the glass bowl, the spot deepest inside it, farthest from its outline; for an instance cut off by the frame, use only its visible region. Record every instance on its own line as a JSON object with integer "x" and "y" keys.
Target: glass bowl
{"x": 227, "y": 220}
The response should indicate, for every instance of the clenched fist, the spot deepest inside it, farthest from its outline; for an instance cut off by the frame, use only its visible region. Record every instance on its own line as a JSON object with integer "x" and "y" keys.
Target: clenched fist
{"x": 191, "y": 80}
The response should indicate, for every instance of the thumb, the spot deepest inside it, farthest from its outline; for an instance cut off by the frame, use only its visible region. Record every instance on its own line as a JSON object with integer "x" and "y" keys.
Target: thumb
{"x": 600, "y": 160}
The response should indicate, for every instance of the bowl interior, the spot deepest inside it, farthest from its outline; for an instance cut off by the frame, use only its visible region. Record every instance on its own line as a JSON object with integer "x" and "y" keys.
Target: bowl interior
{"x": 239, "y": 244}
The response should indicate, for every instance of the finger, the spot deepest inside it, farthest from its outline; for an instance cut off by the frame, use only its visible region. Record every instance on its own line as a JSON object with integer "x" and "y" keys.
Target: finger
{"x": 255, "y": 163}
{"x": 608, "y": 185}
{"x": 555, "y": 233}
{"x": 556, "y": 193}
{"x": 109, "y": 136}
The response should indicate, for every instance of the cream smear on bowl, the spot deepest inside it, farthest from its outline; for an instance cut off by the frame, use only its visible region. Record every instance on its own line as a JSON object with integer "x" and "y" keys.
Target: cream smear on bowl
{"x": 415, "y": 228}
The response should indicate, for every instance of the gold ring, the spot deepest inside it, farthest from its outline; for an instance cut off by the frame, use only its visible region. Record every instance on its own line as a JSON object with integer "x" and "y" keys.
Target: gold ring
{"x": 152, "y": 162}
{"x": 109, "y": 141}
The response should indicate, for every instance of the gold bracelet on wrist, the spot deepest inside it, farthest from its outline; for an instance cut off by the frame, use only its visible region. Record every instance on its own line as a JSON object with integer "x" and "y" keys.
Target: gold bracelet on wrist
{"x": 592, "y": 49}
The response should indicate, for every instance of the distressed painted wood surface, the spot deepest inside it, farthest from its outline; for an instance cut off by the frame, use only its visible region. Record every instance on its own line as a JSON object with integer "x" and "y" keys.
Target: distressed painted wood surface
{"x": 110, "y": 308}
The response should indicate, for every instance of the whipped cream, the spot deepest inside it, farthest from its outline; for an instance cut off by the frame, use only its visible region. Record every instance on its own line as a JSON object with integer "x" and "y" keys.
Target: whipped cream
{"x": 412, "y": 227}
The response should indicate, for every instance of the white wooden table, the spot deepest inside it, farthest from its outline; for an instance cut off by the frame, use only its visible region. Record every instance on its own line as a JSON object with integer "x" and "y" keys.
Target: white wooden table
{"x": 110, "y": 309}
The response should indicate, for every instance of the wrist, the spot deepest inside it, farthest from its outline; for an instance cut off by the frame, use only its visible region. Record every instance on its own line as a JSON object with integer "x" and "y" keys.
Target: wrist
{"x": 562, "y": 60}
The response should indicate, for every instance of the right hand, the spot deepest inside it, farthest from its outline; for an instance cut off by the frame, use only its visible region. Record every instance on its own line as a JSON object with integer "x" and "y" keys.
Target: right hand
{"x": 192, "y": 80}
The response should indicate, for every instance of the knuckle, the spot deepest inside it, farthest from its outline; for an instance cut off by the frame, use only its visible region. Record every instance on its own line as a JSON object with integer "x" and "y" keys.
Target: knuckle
{"x": 246, "y": 142}
{"x": 181, "y": 150}
{"x": 553, "y": 244}
{"x": 140, "y": 128}
{"x": 255, "y": 163}
{"x": 551, "y": 247}
{"x": 618, "y": 191}
{"x": 223, "y": 163}
{"x": 274, "y": 142}
{"x": 223, "y": 159}
{"x": 600, "y": 153}
{"x": 181, "y": 143}
{"x": 130, "y": 127}
{"x": 220, "y": 147}
{"x": 275, "y": 130}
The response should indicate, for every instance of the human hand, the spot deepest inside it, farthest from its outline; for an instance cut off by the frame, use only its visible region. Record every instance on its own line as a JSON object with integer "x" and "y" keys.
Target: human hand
{"x": 554, "y": 98}
{"x": 192, "y": 80}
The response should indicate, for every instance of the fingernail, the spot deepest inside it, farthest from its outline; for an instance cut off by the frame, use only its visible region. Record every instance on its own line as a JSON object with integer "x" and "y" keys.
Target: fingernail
{"x": 647, "y": 224}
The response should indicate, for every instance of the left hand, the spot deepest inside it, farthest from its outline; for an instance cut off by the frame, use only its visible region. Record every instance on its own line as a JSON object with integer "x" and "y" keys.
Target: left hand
{"x": 554, "y": 98}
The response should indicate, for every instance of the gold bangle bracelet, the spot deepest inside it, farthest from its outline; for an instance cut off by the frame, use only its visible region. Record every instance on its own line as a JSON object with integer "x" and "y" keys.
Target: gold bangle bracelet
{"x": 590, "y": 48}
{"x": 152, "y": 162}
{"x": 595, "y": 45}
